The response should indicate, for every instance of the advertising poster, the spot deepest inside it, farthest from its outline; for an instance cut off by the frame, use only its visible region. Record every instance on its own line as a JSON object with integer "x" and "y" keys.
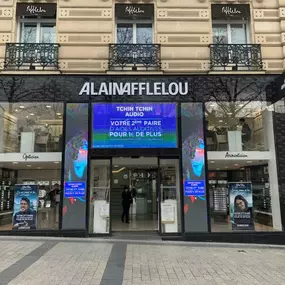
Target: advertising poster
{"x": 167, "y": 213}
{"x": 25, "y": 207}
{"x": 241, "y": 211}
{"x": 193, "y": 163}
{"x": 134, "y": 125}
{"x": 75, "y": 167}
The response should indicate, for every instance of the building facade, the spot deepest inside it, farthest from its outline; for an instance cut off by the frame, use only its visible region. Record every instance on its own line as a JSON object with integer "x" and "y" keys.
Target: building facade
{"x": 179, "y": 101}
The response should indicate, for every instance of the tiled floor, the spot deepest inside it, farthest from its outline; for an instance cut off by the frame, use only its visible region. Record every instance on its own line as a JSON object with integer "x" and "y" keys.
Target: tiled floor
{"x": 137, "y": 223}
{"x": 68, "y": 264}
{"x": 64, "y": 261}
{"x": 158, "y": 265}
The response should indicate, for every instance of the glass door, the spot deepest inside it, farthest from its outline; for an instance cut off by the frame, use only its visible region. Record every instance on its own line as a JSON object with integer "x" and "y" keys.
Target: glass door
{"x": 99, "y": 203}
{"x": 170, "y": 205}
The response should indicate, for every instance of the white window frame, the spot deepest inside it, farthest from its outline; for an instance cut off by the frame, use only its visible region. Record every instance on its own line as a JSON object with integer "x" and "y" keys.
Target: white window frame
{"x": 228, "y": 24}
{"x": 38, "y": 21}
{"x": 134, "y": 23}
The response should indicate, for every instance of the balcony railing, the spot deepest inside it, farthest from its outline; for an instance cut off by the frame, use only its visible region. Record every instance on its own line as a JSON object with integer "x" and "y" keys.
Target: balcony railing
{"x": 235, "y": 57}
{"x": 31, "y": 56}
{"x": 134, "y": 56}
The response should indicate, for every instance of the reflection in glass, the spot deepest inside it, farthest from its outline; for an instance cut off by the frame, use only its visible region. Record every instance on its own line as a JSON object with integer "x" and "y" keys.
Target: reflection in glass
{"x": 238, "y": 34}
{"x": 99, "y": 196}
{"x": 170, "y": 196}
{"x": 31, "y": 127}
{"x": 144, "y": 33}
{"x": 48, "y": 33}
{"x": 220, "y": 34}
{"x": 29, "y": 33}
{"x": 236, "y": 126}
{"x": 124, "y": 33}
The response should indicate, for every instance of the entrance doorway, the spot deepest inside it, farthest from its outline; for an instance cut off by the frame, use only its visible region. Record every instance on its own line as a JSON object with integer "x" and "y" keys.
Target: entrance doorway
{"x": 154, "y": 190}
{"x": 140, "y": 175}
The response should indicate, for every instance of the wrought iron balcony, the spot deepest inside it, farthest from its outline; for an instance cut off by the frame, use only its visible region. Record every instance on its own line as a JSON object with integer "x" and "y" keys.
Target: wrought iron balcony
{"x": 235, "y": 57}
{"x": 31, "y": 56}
{"x": 134, "y": 56}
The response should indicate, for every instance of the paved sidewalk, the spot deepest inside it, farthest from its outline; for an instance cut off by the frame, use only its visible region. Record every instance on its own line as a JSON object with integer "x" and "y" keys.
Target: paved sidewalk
{"x": 27, "y": 261}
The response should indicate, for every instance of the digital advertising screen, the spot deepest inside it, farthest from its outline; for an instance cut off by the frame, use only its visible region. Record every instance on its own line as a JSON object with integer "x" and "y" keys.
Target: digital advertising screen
{"x": 134, "y": 125}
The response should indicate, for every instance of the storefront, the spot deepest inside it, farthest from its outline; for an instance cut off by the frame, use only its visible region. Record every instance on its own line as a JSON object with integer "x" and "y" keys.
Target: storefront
{"x": 200, "y": 155}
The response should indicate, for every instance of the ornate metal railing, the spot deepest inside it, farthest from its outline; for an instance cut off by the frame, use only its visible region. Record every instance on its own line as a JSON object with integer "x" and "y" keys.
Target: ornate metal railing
{"x": 235, "y": 57}
{"x": 31, "y": 56}
{"x": 134, "y": 56}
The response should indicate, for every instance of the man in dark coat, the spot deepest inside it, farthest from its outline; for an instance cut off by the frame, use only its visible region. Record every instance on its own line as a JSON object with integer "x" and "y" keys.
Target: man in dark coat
{"x": 126, "y": 203}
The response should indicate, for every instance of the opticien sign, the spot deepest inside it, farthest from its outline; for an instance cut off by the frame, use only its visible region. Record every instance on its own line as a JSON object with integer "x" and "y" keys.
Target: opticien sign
{"x": 135, "y": 88}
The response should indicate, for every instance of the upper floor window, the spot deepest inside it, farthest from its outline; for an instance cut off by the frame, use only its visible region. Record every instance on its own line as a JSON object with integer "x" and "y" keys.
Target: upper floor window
{"x": 230, "y": 33}
{"x": 134, "y": 33}
{"x": 230, "y": 24}
{"x": 134, "y": 24}
{"x": 37, "y": 23}
{"x": 37, "y": 31}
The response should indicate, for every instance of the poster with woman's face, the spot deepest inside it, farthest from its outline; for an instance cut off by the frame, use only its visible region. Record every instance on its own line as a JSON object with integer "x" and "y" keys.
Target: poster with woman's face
{"x": 193, "y": 164}
{"x": 241, "y": 212}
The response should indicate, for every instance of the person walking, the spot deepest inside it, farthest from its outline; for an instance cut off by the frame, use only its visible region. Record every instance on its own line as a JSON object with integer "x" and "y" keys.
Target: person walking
{"x": 126, "y": 203}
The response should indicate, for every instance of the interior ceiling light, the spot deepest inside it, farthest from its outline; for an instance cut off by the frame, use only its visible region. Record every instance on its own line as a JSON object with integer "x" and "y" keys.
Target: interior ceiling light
{"x": 28, "y": 165}
{"x": 48, "y": 106}
{"x": 213, "y": 161}
{"x": 32, "y": 114}
{"x": 119, "y": 170}
{"x": 22, "y": 107}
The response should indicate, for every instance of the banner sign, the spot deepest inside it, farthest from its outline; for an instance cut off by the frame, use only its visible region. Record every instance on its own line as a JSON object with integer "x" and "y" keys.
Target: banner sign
{"x": 232, "y": 11}
{"x": 141, "y": 125}
{"x": 134, "y": 11}
{"x": 134, "y": 88}
{"x": 241, "y": 210}
{"x": 194, "y": 188}
{"x": 36, "y": 9}
{"x": 25, "y": 207}
{"x": 74, "y": 189}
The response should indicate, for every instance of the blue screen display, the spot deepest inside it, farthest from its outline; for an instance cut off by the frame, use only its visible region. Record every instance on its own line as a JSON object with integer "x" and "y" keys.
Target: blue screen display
{"x": 129, "y": 125}
{"x": 194, "y": 188}
{"x": 74, "y": 189}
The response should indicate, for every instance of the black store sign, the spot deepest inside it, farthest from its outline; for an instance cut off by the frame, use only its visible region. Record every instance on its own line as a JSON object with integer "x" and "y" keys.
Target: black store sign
{"x": 226, "y": 12}
{"x": 134, "y": 11}
{"x": 31, "y": 9}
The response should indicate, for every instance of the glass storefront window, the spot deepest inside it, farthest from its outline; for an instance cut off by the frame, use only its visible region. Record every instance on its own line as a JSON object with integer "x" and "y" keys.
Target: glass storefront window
{"x": 99, "y": 204}
{"x": 30, "y": 127}
{"x": 237, "y": 126}
{"x": 170, "y": 196}
{"x": 242, "y": 167}
{"x": 30, "y": 150}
